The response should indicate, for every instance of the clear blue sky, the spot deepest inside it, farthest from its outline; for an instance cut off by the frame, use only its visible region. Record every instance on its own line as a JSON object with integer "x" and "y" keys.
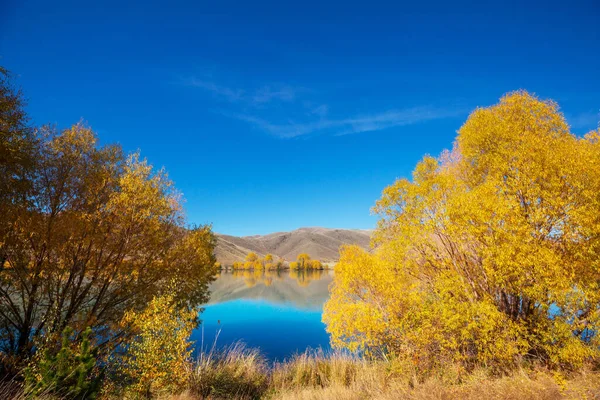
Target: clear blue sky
{"x": 274, "y": 116}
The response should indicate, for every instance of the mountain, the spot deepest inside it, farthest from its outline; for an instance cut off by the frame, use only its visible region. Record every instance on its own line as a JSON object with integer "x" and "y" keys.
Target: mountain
{"x": 320, "y": 243}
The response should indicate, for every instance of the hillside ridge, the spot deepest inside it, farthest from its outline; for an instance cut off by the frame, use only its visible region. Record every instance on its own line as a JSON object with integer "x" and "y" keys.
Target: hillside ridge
{"x": 320, "y": 243}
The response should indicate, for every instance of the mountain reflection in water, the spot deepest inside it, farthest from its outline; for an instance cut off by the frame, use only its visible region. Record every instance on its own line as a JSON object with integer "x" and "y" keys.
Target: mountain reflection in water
{"x": 277, "y": 311}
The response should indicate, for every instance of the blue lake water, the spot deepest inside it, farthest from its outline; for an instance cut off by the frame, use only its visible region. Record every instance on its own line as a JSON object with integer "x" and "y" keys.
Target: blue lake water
{"x": 278, "y": 312}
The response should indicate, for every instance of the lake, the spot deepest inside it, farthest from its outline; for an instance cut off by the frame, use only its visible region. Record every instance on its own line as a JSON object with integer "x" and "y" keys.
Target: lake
{"x": 276, "y": 311}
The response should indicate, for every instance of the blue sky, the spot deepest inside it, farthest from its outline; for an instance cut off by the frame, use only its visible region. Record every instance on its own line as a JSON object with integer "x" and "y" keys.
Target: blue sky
{"x": 274, "y": 116}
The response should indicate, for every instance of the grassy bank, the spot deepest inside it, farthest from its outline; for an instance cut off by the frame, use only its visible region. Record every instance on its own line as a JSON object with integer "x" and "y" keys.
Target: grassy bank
{"x": 241, "y": 373}
{"x": 238, "y": 372}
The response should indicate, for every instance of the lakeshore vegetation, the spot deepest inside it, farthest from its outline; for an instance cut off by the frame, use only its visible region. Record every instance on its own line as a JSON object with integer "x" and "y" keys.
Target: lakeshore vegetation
{"x": 269, "y": 263}
{"x": 490, "y": 255}
{"x": 482, "y": 282}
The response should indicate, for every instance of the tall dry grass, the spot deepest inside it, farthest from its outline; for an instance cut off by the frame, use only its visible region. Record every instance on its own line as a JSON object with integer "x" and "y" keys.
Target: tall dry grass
{"x": 238, "y": 372}
{"x": 232, "y": 372}
{"x": 519, "y": 386}
{"x": 11, "y": 389}
{"x": 381, "y": 381}
{"x": 241, "y": 373}
{"x": 317, "y": 369}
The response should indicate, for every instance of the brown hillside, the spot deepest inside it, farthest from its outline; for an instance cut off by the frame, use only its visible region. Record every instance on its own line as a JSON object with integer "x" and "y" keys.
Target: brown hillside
{"x": 320, "y": 243}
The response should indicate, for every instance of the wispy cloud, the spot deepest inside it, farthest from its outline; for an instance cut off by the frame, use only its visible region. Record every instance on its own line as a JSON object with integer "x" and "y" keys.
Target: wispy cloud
{"x": 221, "y": 91}
{"x": 267, "y": 94}
{"x": 394, "y": 118}
{"x": 357, "y": 124}
{"x": 258, "y": 96}
{"x": 320, "y": 111}
{"x": 285, "y": 111}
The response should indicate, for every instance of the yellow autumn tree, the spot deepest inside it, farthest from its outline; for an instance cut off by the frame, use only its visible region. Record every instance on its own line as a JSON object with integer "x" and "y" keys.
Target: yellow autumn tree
{"x": 251, "y": 261}
{"x": 303, "y": 260}
{"x": 237, "y": 265}
{"x": 489, "y": 255}
{"x": 86, "y": 234}
{"x": 157, "y": 359}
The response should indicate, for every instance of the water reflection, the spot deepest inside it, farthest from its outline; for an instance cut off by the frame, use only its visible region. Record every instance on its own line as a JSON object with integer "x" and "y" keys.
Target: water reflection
{"x": 252, "y": 277}
{"x": 277, "y": 311}
{"x": 305, "y": 289}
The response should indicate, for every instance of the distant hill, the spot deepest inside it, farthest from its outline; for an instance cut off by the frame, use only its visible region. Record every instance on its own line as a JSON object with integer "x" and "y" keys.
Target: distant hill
{"x": 320, "y": 243}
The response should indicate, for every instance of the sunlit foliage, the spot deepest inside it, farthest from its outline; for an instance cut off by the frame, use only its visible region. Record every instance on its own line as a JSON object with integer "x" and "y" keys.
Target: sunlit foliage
{"x": 86, "y": 233}
{"x": 157, "y": 359}
{"x": 254, "y": 262}
{"x": 304, "y": 262}
{"x": 269, "y": 263}
{"x": 489, "y": 255}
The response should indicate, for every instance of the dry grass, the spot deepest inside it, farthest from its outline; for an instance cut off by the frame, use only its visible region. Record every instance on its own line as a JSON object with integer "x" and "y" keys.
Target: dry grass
{"x": 238, "y": 372}
{"x": 233, "y": 372}
{"x": 241, "y": 373}
{"x": 518, "y": 386}
{"x": 317, "y": 369}
{"x": 13, "y": 390}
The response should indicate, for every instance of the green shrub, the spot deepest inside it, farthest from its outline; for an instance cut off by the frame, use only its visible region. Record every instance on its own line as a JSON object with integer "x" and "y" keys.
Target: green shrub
{"x": 70, "y": 372}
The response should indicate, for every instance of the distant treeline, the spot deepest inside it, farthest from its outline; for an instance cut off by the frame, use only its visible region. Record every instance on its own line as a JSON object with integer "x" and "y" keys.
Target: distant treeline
{"x": 269, "y": 263}
{"x": 252, "y": 277}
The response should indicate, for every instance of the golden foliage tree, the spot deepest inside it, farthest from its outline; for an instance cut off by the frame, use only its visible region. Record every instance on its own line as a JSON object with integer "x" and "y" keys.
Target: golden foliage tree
{"x": 86, "y": 234}
{"x": 491, "y": 254}
{"x": 254, "y": 262}
{"x": 303, "y": 260}
{"x": 157, "y": 359}
{"x": 237, "y": 265}
{"x": 252, "y": 257}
